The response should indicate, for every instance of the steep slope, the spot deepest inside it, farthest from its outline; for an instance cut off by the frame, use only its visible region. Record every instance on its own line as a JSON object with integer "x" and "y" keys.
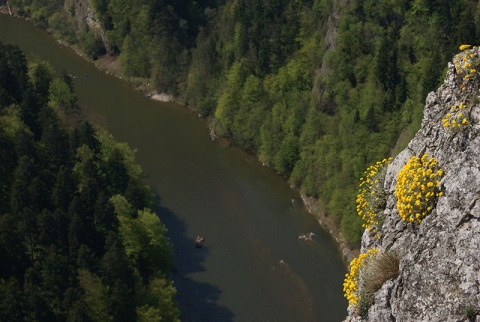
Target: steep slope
{"x": 439, "y": 262}
{"x": 316, "y": 89}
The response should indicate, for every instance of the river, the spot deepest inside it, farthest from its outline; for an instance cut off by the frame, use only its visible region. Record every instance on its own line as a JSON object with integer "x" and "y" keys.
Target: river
{"x": 253, "y": 266}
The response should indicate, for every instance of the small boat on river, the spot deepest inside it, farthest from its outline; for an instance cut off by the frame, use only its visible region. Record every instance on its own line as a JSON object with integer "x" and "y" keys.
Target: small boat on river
{"x": 199, "y": 242}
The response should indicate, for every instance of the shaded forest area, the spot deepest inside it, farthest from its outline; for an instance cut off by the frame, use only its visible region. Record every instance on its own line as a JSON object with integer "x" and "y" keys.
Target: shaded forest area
{"x": 317, "y": 89}
{"x": 78, "y": 241}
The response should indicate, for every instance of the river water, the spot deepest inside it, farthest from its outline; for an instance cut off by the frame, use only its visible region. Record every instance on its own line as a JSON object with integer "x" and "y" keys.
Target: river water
{"x": 252, "y": 267}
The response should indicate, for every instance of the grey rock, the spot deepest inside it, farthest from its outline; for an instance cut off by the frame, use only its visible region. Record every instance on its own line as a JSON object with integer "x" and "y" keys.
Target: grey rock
{"x": 439, "y": 276}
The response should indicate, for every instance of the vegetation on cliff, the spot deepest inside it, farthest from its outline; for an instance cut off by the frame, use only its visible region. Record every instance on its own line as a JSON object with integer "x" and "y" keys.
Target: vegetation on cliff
{"x": 78, "y": 240}
{"x": 430, "y": 217}
{"x": 317, "y": 89}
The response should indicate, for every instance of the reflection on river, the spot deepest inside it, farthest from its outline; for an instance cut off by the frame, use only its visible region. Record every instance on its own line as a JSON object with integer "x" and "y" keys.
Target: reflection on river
{"x": 252, "y": 266}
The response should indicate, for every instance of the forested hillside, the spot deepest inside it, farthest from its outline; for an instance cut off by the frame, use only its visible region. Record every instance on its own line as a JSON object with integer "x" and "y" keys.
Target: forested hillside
{"x": 78, "y": 241}
{"x": 318, "y": 89}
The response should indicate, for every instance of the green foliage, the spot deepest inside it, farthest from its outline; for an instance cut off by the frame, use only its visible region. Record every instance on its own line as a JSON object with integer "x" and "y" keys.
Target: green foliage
{"x": 471, "y": 312}
{"x": 109, "y": 146}
{"x": 230, "y": 98}
{"x": 61, "y": 96}
{"x": 248, "y": 119}
{"x": 133, "y": 62}
{"x": 65, "y": 255}
{"x": 11, "y": 123}
{"x": 91, "y": 44}
{"x": 143, "y": 236}
{"x": 285, "y": 159}
{"x": 13, "y": 75}
{"x": 158, "y": 297}
{"x": 63, "y": 27}
{"x": 317, "y": 90}
{"x": 351, "y": 226}
{"x": 95, "y": 295}
{"x": 41, "y": 75}
{"x": 372, "y": 198}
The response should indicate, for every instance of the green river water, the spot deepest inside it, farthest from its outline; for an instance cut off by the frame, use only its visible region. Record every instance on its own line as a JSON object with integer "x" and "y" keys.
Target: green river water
{"x": 252, "y": 267}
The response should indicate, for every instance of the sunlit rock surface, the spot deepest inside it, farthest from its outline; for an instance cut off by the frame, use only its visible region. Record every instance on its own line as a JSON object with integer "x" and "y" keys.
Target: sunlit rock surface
{"x": 439, "y": 276}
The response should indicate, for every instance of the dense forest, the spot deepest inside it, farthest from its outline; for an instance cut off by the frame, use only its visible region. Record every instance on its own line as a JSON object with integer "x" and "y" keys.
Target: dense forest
{"x": 317, "y": 89}
{"x": 78, "y": 238}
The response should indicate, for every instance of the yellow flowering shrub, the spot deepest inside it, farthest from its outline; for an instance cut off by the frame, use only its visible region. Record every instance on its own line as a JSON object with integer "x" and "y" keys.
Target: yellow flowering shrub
{"x": 456, "y": 118}
{"x": 351, "y": 288}
{"x": 371, "y": 198}
{"x": 467, "y": 62}
{"x": 417, "y": 188}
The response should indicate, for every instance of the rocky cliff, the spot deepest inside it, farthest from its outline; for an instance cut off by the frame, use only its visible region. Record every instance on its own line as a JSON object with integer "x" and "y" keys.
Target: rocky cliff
{"x": 439, "y": 258}
{"x": 85, "y": 14}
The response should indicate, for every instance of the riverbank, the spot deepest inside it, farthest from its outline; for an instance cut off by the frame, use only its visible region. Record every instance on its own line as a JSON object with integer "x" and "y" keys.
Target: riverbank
{"x": 316, "y": 209}
{"x": 110, "y": 65}
{"x": 5, "y": 9}
{"x": 314, "y": 206}
{"x": 244, "y": 211}
{"x": 106, "y": 63}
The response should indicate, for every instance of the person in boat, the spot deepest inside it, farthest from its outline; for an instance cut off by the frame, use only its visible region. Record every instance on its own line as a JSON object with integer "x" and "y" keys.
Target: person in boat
{"x": 199, "y": 242}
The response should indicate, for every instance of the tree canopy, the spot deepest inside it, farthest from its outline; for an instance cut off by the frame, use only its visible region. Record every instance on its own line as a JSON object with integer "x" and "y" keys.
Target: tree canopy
{"x": 67, "y": 252}
{"x": 318, "y": 89}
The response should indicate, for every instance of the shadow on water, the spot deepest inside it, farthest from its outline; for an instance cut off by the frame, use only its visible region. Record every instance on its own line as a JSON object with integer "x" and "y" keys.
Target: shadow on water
{"x": 197, "y": 300}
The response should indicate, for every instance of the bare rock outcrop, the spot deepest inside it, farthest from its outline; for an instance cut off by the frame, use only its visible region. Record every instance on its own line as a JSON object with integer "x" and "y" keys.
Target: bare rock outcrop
{"x": 85, "y": 16}
{"x": 439, "y": 272}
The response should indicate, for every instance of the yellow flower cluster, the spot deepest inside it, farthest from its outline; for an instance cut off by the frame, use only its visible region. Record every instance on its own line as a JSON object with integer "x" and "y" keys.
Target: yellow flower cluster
{"x": 456, "y": 118}
{"x": 417, "y": 188}
{"x": 371, "y": 198}
{"x": 466, "y": 62}
{"x": 350, "y": 284}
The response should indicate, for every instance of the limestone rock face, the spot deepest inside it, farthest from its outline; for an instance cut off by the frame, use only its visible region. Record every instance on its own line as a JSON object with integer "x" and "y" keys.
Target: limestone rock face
{"x": 83, "y": 11}
{"x": 85, "y": 16}
{"x": 439, "y": 276}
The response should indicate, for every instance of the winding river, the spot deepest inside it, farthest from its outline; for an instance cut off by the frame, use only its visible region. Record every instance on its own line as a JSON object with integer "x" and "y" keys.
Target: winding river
{"x": 253, "y": 266}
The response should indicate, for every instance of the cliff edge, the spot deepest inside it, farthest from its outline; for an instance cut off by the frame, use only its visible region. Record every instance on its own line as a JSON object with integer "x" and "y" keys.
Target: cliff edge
{"x": 438, "y": 276}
